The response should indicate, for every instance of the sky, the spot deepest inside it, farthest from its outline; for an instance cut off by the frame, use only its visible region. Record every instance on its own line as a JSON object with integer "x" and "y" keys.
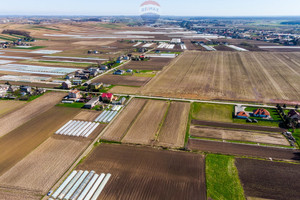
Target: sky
{"x": 168, "y": 7}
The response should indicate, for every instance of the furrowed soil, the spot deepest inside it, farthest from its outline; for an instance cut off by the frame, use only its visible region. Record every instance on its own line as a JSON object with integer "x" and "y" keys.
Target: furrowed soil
{"x": 87, "y": 115}
{"x": 173, "y": 131}
{"x": 32, "y": 109}
{"x": 15, "y": 145}
{"x": 238, "y": 135}
{"x": 123, "y": 80}
{"x": 156, "y": 64}
{"x": 244, "y": 150}
{"x": 237, "y": 126}
{"x": 144, "y": 129}
{"x": 121, "y": 125}
{"x": 44, "y": 166}
{"x": 9, "y": 106}
{"x": 146, "y": 173}
{"x": 269, "y": 180}
{"x": 244, "y": 76}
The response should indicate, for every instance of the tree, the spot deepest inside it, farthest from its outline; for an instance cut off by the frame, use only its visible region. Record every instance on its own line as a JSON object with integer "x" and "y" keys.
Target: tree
{"x": 284, "y": 105}
{"x": 297, "y": 107}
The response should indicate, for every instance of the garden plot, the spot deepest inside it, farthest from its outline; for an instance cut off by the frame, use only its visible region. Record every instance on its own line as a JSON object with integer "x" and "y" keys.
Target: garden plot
{"x": 239, "y": 135}
{"x": 34, "y": 69}
{"x": 77, "y": 128}
{"x": 82, "y": 185}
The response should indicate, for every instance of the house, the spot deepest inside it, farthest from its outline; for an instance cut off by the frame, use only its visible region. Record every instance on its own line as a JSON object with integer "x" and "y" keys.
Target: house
{"x": 129, "y": 71}
{"x": 92, "y": 103}
{"x": 70, "y": 76}
{"x": 67, "y": 84}
{"x": 294, "y": 115}
{"x": 103, "y": 67}
{"x": 261, "y": 113}
{"x": 96, "y": 86}
{"x": 77, "y": 81}
{"x": 74, "y": 94}
{"x": 119, "y": 61}
{"x": 107, "y": 97}
{"x": 26, "y": 89}
{"x": 242, "y": 115}
{"x": 12, "y": 88}
{"x": 119, "y": 72}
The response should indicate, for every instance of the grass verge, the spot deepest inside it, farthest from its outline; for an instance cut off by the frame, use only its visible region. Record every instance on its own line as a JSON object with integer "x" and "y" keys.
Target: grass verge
{"x": 222, "y": 178}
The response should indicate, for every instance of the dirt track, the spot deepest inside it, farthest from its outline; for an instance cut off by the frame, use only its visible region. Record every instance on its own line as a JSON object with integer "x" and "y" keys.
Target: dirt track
{"x": 15, "y": 145}
{"x": 237, "y": 126}
{"x": 270, "y": 180}
{"x": 146, "y": 173}
{"x": 244, "y": 150}
{"x": 29, "y": 111}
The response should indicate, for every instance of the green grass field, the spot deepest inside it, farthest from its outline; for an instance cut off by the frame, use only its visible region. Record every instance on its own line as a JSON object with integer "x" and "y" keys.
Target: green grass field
{"x": 212, "y": 112}
{"x": 71, "y": 105}
{"x": 222, "y": 180}
{"x": 30, "y": 48}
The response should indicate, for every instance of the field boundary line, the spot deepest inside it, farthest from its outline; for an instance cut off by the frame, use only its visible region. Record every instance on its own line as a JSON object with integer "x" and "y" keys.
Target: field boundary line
{"x": 157, "y": 134}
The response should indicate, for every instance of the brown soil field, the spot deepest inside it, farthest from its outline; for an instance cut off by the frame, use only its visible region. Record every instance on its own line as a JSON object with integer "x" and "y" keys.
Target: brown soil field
{"x": 237, "y": 126}
{"x": 146, "y": 173}
{"x": 120, "y": 126}
{"x": 93, "y": 43}
{"x": 238, "y": 135}
{"x": 146, "y": 126}
{"x": 122, "y": 80}
{"x": 156, "y": 64}
{"x": 87, "y": 115}
{"x": 173, "y": 131}
{"x": 5, "y": 194}
{"x": 244, "y": 150}
{"x": 124, "y": 90}
{"x": 32, "y": 109}
{"x": 9, "y": 106}
{"x": 223, "y": 48}
{"x": 15, "y": 145}
{"x": 270, "y": 180}
{"x": 244, "y": 76}
{"x": 42, "y": 168}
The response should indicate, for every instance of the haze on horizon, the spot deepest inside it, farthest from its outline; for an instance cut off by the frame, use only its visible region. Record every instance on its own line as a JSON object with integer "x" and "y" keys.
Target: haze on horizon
{"x": 169, "y": 7}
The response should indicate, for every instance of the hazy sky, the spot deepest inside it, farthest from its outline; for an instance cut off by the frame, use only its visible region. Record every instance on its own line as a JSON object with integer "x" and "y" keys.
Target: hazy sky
{"x": 169, "y": 7}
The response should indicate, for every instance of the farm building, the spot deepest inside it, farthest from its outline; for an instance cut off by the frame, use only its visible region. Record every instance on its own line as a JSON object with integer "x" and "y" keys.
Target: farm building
{"x": 77, "y": 81}
{"x": 67, "y": 84}
{"x": 74, "y": 94}
{"x": 26, "y": 89}
{"x": 261, "y": 113}
{"x": 119, "y": 72}
{"x": 107, "y": 97}
{"x": 92, "y": 103}
{"x": 294, "y": 115}
{"x": 70, "y": 76}
{"x": 96, "y": 86}
{"x": 103, "y": 67}
{"x": 242, "y": 115}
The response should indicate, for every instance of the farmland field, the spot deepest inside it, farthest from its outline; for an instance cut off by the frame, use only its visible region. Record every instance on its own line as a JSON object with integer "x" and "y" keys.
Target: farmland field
{"x": 123, "y": 80}
{"x": 243, "y": 76}
{"x": 269, "y": 180}
{"x": 40, "y": 170}
{"x": 9, "y": 106}
{"x": 173, "y": 131}
{"x": 146, "y": 173}
{"x": 15, "y": 145}
{"x": 153, "y": 64}
{"x": 121, "y": 125}
{"x": 146, "y": 126}
{"x": 212, "y": 112}
{"x": 238, "y": 135}
{"x": 14, "y": 119}
{"x": 87, "y": 115}
{"x": 244, "y": 150}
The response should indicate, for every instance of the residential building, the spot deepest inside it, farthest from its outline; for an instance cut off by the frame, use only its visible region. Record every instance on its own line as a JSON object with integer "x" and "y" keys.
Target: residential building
{"x": 261, "y": 113}
{"x": 26, "y": 89}
{"x": 67, "y": 84}
{"x": 294, "y": 115}
{"x": 74, "y": 94}
{"x": 242, "y": 115}
{"x": 92, "y": 103}
{"x": 119, "y": 72}
{"x": 107, "y": 97}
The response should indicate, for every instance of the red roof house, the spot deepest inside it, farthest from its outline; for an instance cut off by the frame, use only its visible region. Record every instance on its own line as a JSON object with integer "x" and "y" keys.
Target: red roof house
{"x": 242, "y": 115}
{"x": 261, "y": 113}
{"x": 107, "y": 97}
